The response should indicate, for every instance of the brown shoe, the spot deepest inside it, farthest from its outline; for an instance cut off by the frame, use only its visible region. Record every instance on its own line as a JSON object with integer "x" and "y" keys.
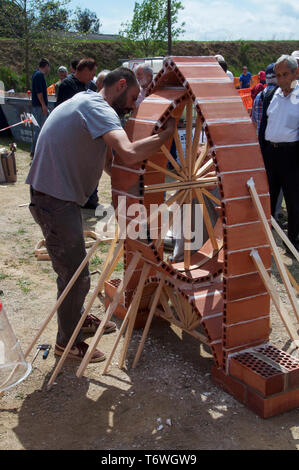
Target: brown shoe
{"x": 78, "y": 351}
{"x": 92, "y": 323}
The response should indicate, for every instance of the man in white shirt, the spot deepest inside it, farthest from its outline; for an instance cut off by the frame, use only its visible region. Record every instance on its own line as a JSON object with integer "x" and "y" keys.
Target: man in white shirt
{"x": 144, "y": 74}
{"x": 279, "y": 140}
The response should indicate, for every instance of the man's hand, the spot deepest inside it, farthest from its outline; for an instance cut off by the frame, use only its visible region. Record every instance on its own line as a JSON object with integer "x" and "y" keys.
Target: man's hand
{"x": 45, "y": 110}
{"x": 169, "y": 127}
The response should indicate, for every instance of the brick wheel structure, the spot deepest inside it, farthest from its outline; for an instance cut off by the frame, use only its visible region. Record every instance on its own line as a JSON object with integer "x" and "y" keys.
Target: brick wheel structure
{"x": 215, "y": 294}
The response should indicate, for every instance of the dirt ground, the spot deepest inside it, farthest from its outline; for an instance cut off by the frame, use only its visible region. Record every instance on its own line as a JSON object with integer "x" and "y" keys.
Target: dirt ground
{"x": 167, "y": 403}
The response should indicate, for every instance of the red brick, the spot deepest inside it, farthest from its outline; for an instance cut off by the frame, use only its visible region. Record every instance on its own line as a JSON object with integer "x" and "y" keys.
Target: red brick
{"x": 257, "y": 374}
{"x": 272, "y": 406}
{"x": 246, "y": 333}
{"x": 237, "y": 132}
{"x": 240, "y": 237}
{"x": 242, "y": 158}
{"x": 243, "y": 286}
{"x": 242, "y": 263}
{"x": 240, "y": 211}
{"x": 235, "y": 184}
{"x": 246, "y": 309}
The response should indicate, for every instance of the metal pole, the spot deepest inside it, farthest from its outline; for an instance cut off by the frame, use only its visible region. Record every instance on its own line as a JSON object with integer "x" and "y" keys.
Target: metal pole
{"x": 169, "y": 27}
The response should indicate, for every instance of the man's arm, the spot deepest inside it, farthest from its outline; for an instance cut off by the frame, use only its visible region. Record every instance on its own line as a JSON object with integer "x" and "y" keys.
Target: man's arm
{"x": 42, "y": 102}
{"x": 108, "y": 162}
{"x": 134, "y": 152}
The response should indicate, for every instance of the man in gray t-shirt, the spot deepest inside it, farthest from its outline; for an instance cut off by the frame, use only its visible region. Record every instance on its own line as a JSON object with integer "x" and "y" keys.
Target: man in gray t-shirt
{"x": 69, "y": 160}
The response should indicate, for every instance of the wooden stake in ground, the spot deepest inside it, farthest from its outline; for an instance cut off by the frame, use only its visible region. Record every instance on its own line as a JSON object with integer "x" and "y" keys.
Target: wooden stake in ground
{"x": 129, "y": 318}
{"x": 104, "y": 275}
{"x": 111, "y": 309}
{"x": 272, "y": 291}
{"x": 275, "y": 252}
{"x": 284, "y": 238}
{"x": 149, "y": 320}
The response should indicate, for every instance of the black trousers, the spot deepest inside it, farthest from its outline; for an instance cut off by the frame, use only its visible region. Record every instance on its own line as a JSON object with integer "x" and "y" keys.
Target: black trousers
{"x": 282, "y": 166}
{"x": 61, "y": 224}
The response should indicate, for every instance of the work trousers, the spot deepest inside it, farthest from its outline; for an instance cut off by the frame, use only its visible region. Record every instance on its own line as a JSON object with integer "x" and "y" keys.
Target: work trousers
{"x": 61, "y": 224}
{"x": 282, "y": 166}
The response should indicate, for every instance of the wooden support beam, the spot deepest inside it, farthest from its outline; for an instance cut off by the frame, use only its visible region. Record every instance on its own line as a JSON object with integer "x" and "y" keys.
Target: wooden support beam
{"x": 274, "y": 249}
{"x": 111, "y": 309}
{"x": 284, "y": 238}
{"x": 149, "y": 320}
{"x": 275, "y": 298}
{"x": 106, "y": 272}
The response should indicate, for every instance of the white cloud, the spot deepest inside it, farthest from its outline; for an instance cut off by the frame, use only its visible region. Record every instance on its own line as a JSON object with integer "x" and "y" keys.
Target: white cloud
{"x": 232, "y": 20}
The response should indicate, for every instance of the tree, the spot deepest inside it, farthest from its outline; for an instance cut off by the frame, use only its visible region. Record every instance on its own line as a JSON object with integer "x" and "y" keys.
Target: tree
{"x": 86, "y": 21}
{"x": 29, "y": 20}
{"x": 53, "y": 17}
{"x": 149, "y": 26}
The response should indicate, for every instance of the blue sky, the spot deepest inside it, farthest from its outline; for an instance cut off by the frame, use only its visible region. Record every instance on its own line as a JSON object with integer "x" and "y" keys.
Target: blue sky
{"x": 213, "y": 19}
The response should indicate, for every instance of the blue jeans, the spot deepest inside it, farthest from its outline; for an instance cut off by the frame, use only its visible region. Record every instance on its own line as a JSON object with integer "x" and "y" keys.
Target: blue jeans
{"x": 40, "y": 118}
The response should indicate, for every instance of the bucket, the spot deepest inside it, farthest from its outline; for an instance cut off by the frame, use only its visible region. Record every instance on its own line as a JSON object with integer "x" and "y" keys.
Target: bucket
{"x": 13, "y": 367}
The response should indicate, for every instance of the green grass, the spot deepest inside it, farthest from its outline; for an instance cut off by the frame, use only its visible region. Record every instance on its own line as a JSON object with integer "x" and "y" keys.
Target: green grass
{"x": 24, "y": 285}
{"x": 95, "y": 262}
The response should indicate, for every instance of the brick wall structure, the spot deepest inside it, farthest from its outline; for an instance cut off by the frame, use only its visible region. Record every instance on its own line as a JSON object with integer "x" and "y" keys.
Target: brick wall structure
{"x": 225, "y": 296}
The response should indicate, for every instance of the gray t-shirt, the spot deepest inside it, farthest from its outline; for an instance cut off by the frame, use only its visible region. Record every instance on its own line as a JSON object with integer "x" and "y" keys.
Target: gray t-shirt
{"x": 70, "y": 153}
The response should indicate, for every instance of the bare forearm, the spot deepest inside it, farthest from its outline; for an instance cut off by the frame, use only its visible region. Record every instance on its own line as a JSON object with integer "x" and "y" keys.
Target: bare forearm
{"x": 41, "y": 99}
{"x": 145, "y": 148}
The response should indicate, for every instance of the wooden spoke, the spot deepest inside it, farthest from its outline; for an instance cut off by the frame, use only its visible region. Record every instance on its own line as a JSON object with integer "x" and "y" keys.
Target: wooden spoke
{"x": 211, "y": 196}
{"x": 198, "y": 127}
{"x": 207, "y": 219}
{"x": 188, "y": 152}
{"x": 204, "y": 168}
{"x": 187, "y": 238}
{"x": 201, "y": 157}
{"x": 174, "y": 163}
{"x": 158, "y": 188}
{"x": 180, "y": 151}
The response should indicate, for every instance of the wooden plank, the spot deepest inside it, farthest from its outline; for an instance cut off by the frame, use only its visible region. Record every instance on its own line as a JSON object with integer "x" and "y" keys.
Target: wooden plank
{"x": 274, "y": 249}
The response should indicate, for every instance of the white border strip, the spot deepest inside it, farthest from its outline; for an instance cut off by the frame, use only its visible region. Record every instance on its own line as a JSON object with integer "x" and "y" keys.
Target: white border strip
{"x": 237, "y": 145}
{"x": 227, "y": 120}
{"x": 243, "y": 197}
{"x": 131, "y": 170}
{"x": 247, "y": 249}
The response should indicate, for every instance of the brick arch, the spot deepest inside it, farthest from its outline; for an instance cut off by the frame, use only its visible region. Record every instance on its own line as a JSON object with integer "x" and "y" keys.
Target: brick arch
{"x": 228, "y": 294}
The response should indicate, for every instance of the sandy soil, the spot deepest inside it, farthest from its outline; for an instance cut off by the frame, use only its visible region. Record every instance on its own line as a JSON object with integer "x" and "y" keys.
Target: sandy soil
{"x": 167, "y": 403}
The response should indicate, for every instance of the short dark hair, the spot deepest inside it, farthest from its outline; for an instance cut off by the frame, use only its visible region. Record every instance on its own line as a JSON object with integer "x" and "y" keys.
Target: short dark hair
{"x": 74, "y": 63}
{"x": 121, "y": 72}
{"x": 223, "y": 64}
{"x": 89, "y": 63}
{"x": 43, "y": 63}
